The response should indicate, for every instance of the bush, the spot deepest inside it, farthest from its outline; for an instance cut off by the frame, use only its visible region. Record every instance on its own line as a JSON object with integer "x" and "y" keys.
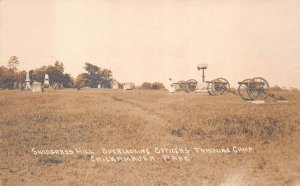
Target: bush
{"x": 153, "y": 86}
{"x": 157, "y": 86}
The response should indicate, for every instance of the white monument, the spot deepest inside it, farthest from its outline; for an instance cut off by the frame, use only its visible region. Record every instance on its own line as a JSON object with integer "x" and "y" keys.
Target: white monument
{"x": 202, "y": 87}
{"x": 202, "y": 67}
{"x": 27, "y": 86}
{"x": 46, "y": 81}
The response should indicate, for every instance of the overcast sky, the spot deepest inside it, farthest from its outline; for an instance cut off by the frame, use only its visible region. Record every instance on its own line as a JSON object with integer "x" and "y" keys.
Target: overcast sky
{"x": 153, "y": 40}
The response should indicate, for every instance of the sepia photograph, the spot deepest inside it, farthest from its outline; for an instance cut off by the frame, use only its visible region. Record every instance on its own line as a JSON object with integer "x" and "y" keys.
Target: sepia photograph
{"x": 141, "y": 92}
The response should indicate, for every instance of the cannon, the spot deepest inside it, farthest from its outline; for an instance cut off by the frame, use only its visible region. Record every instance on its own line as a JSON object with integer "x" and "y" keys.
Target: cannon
{"x": 219, "y": 86}
{"x": 249, "y": 89}
{"x": 187, "y": 86}
{"x": 215, "y": 87}
{"x": 256, "y": 89}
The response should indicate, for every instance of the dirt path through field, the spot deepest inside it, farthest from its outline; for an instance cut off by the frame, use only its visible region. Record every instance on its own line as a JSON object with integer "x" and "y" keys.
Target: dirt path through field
{"x": 157, "y": 129}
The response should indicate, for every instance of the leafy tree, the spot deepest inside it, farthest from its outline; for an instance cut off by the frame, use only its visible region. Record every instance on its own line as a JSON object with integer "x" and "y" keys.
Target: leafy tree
{"x": 4, "y": 77}
{"x": 55, "y": 74}
{"x": 38, "y": 74}
{"x": 93, "y": 74}
{"x": 22, "y": 76}
{"x": 97, "y": 76}
{"x": 82, "y": 80}
{"x": 106, "y": 79}
{"x": 59, "y": 66}
{"x": 68, "y": 81}
{"x": 8, "y": 77}
{"x": 91, "y": 69}
{"x": 13, "y": 62}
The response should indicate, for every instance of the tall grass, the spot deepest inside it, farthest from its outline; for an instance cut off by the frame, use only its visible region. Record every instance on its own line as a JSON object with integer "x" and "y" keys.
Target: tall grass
{"x": 146, "y": 119}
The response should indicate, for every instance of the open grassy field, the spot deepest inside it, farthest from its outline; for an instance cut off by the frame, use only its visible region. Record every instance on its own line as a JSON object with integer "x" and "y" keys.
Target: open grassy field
{"x": 95, "y": 119}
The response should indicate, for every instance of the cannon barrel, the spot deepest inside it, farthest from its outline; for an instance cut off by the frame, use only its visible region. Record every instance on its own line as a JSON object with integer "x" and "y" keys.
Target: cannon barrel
{"x": 224, "y": 83}
{"x": 254, "y": 83}
{"x": 242, "y": 83}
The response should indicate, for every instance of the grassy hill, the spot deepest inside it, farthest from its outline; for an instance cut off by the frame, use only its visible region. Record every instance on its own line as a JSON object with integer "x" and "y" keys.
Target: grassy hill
{"x": 97, "y": 119}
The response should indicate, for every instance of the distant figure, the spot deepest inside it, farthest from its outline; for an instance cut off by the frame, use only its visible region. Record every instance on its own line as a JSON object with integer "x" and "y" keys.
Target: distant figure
{"x": 171, "y": 88}
{"x": 78, "y": 87}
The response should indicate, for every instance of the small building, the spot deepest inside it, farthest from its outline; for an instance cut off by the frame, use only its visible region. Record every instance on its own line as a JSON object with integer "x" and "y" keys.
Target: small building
{"x": 37, "y": 87}
{"x": 128, "y": 86}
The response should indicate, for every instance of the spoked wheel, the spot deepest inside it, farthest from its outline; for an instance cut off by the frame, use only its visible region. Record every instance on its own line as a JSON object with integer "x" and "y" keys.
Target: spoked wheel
{"x": 243, "y": 90}
{"x": 186, "y": 88}
{"x": 221, "y": 86}
{"x": 258, "y": 88}
{"x": 180, "y": 86}
{"x": 192, "y": 84}
{"x": 210, "y": 89}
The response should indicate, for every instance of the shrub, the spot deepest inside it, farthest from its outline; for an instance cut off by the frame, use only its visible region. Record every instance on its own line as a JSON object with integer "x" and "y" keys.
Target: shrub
{"x": 153, "y": 86}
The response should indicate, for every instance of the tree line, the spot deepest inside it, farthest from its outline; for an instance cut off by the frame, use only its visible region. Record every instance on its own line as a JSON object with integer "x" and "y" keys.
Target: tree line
{"x": 10, "y": 75}
{"x": 93, "y": 76}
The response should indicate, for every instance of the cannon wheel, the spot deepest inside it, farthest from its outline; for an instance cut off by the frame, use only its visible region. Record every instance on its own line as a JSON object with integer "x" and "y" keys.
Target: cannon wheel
{"x": 186, "y": 87}
{"x": 222, "y": 86}
{"x": 258, "y": 88}
{"x": 180, "y": 86}
{"x": 243, "y": 90}
{"x": 210, "y": 86}
{"x": 191, "y": 85}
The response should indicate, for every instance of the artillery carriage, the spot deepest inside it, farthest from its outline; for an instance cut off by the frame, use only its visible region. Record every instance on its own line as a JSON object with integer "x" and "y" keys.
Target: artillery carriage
{"x": 187, "y": 86}
{"x": 249, "y": 89}
{"x": 256, "y": 89}
{"x": 215, "y": 87}
{"x": 219, "y": 86}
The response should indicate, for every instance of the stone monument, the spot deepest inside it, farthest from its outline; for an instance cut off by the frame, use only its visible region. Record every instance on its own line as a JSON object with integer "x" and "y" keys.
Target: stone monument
{"x": 202, "y": 87}
{"x": 46, "y": 81}
{"x": 37, "y": 87}
{"x": 27, "y": 85}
